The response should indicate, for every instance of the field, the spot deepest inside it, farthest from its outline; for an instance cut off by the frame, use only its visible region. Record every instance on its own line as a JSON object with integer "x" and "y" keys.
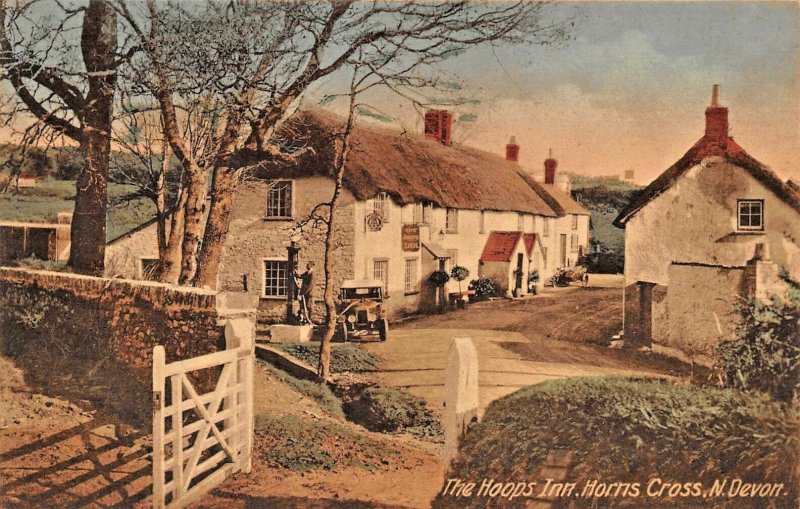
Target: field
{"x": 43, "y": 203}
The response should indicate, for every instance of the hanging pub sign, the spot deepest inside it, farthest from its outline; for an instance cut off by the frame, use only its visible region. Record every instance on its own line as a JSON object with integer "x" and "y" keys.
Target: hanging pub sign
{"x": 374, "y": 222}
{"x": 410, "y": 237}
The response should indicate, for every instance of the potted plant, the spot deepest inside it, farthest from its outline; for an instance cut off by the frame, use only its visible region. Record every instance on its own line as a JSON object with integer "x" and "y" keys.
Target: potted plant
{"x": 460, "y": 273}
{"x": 533, "y": 282}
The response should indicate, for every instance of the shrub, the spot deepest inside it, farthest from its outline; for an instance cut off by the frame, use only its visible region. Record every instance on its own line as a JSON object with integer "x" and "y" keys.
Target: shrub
{"x": 302, "y": 444}
{"x": 631, "y": 430}
{"x": 485, "y": 288}
{"x": 765, "y": 355}
{"x": 316, "y": 391}
{"x": 439, "y": 278}
{"x": 345, "y": 357}
{"x": 384, "y": 409}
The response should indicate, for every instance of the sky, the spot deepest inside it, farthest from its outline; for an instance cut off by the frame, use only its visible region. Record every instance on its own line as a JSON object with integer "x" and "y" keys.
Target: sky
{"x": 629, "y": 90}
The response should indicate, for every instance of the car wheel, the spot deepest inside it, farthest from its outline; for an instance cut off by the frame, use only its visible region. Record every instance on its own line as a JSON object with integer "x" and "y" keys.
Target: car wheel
{"x": 383, "y": 329}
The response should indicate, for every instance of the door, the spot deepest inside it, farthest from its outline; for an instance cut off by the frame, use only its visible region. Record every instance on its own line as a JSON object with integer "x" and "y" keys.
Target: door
{"x": 562, "y": 255}
{"x": 518, "y": 272}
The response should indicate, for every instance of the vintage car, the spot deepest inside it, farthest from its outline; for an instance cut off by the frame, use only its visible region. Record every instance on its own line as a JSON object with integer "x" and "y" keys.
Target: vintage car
{"x": 361, "y": 310}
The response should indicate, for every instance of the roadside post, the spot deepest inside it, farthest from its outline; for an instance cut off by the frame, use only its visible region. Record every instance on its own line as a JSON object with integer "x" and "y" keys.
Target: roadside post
{"x": 461, "y": 394}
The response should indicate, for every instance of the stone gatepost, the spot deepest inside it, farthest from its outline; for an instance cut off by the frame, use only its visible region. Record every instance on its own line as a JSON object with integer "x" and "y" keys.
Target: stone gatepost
{"x": 762, "y": 277}
{"x": 461, "y": 394}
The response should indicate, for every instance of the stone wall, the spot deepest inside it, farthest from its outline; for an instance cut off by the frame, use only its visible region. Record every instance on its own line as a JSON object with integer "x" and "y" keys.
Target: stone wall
{"x": 92, "y": 338}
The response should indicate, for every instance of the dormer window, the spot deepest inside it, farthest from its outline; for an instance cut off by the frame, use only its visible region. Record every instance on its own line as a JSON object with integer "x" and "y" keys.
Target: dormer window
{"x": 750, "y": 216}
{"x": 279, "y": 200}
{"x": 380, "y": 206}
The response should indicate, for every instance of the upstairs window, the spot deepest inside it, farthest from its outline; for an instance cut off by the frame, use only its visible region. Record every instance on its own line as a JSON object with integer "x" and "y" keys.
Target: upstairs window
{"x": 520, "y": 221}
{"x": 750, "y": 215}
{"x": 482, "y": 222}
{"x": 451, "y": 221}
{"x": 546, "y": 227}
{"x": 574, "y": 221}
{"x": 279, "y": 199}
{"x": 422, "y": 213}
{"x": 380, "y": 206}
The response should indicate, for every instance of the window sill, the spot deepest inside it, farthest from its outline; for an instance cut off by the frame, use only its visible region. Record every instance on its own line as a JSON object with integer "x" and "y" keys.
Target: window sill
{"x": 272, "y": 297}
{"x": 451, "y": 232}
{"x": 415, "y": 292}
{"x": 275, "y": 218}
{"x": 749, "y": 232}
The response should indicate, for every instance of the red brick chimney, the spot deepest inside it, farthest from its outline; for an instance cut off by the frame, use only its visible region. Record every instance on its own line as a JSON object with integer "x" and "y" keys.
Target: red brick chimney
{"x": 512, "y": 150}
{"x": 438, "y": 124}
{"x": 716, "y": 120}
{"x": 550, "y": 166}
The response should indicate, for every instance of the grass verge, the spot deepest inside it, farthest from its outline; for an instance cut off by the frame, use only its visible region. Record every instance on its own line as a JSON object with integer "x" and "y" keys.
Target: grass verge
{"x": 316, "y": 391}
{"x": 344, "y": 357}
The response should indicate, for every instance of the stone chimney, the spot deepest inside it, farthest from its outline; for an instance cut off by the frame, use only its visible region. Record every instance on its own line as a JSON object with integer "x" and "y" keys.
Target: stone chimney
{"x": 438, "y": 124}
{"x": 717, "y": 120}
{"x": 550, "y": 166}
{"x": 512, "y": 150}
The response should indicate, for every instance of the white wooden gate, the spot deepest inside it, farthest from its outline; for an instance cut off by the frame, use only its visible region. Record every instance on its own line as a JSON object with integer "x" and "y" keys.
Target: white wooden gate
{"x": 199, "y": 440}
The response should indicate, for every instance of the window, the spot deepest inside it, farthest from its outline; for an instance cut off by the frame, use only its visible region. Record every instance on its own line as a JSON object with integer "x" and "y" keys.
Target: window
{"x": 482, "y": 222}
{"x": 279, "y": 199}
{"x": 452, "y": 261}
{"x": 544, "y": 255}
{"x": 573, "y": 242}
{"x": 751, "y": 215}
{"x": 410, "y": 278}
{"x": 148, "y": 268}
{"x": 422, "y": 212}
{"x": 451, "y": 221}
{"x": 380, "y": 206}
{"x": 276, "y": 278}
{"x": 520, "y": 221}
{"x": 380, "y": 271}
{"x": 546, "y": 227}
{"x": 574, "y": 218}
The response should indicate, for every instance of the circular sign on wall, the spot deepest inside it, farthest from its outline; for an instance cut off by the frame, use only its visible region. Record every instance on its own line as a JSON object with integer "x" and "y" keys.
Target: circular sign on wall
{"x": 374, "y": 221}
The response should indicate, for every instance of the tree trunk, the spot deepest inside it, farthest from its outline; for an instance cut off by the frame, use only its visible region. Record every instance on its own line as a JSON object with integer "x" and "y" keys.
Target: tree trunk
{"x": 171, "y": 262}
{"x": 161, "y": 204}
{"x": 192, "y": 220}
{"x": 98, "y": 46}
{"x": 223, "y": 187}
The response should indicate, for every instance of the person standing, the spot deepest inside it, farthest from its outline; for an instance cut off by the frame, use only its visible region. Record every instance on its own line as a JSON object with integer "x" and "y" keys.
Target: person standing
{"x": 306, "y": 293}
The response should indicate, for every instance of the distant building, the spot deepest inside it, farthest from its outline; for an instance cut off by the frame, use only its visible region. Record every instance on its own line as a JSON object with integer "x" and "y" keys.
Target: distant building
{"x": 411, "y": 205}
{"x": 715, "y": 227}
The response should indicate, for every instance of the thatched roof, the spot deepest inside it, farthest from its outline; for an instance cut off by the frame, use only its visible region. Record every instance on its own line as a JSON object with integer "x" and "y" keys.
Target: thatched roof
{"x": 565, "y": 201}
{"x": 409, "y": 168}
{"x": 731, "y": 152}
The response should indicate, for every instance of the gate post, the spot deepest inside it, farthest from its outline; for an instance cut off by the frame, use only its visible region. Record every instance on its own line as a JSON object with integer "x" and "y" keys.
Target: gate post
{"x": 461, "y": 394}
{"x": 159, "y": 361}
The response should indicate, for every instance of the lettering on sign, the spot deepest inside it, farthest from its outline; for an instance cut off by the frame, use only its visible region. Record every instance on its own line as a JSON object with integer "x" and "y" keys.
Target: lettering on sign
{"x": 410, "y": 237}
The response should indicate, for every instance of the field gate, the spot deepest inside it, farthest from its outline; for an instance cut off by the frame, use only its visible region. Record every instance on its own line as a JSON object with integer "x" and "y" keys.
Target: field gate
{"x": 200, "y": 438}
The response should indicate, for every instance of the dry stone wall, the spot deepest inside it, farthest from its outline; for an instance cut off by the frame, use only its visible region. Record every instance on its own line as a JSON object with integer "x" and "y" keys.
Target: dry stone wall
{"x": 92, "y": 338}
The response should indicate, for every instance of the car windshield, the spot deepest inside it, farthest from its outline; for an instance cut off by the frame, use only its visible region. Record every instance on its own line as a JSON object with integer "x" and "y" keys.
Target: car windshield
{"x": 361, "y": 293}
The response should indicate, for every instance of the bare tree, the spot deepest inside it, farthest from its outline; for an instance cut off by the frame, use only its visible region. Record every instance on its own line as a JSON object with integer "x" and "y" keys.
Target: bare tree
{"x": 255, "y": 60}
{"x": 61, "y": 95}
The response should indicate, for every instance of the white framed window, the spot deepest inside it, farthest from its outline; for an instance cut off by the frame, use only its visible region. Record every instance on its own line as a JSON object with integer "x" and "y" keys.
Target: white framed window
{"x": 750, "y": 215}
{"x": 451, "y": 221}
{"x": 380, "y": 206}
{"x": 574, "y": 218}
{"x": 380, "y": 271}
{"x": 546, "y": 228}
{"x": 573, "y": 242}
{"x": 422, "y": 212}
{"x": 279, "y": 199}
{"x": 410, "y": 275}
{"x": 520, "y": 221}
{"x": 276, "y": 278}
{"x": 544, "y": 257}
{"x": 482, "y": 222}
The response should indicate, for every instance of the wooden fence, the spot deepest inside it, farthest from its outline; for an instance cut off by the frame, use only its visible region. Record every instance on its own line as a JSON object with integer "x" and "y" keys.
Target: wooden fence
{"x": 200, "y": 439}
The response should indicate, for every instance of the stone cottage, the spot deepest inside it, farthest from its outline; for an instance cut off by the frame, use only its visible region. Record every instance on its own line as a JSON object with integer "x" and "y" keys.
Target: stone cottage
{"x": 716, "y": 227}
{"x": 410, "y": 205}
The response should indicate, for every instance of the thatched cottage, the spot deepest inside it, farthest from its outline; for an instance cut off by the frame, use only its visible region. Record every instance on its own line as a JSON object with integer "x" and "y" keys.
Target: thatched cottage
{"x": 410, "y": 205}
{"x": 715, "y": 227}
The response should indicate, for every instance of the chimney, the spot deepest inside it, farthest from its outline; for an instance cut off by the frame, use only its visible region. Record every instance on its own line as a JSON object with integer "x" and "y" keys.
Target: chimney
{"x": 512, "y": 150}
{"x": 438, "y": 124}
{"x": 716, "y": 120}
{"x": 550, "y": 166}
